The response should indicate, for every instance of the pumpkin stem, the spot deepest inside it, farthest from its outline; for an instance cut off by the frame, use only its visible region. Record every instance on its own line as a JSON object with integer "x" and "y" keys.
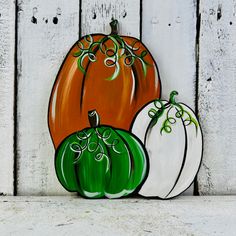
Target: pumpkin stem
{"x": 172, "y": 97}
{"x": 94, "y": 119}
{"x": 114, "y": 26}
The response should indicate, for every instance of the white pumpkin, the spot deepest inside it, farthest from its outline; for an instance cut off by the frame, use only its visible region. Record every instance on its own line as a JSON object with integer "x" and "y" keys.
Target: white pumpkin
{"x": 173, "y": 139}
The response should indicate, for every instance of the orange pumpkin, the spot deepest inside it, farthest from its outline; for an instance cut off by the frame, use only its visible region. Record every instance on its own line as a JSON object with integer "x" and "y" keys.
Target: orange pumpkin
{"x": 116, "y": 75}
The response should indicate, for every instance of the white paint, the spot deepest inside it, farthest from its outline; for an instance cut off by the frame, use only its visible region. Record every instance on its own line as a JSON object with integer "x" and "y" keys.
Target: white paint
{"x": 75, "y": 216}
{"x": 7, "y": 37}
{"x": 167, "y": 151}
{"x": 133, "y": 88}
{"x": 41, "y": 50}
{"x": 62, "y": 164}
{"x": 169, "y": 32}
{"x": 124, "y": 192}
{"x": 193, "y": 156}
{"x": 217, "y": 89}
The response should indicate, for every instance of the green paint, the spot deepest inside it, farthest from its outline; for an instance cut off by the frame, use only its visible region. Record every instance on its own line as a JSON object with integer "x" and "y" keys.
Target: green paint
{"x": 112, "y": 54}
{"x": 180, "y": 113}
{"x": 101, "y": 161}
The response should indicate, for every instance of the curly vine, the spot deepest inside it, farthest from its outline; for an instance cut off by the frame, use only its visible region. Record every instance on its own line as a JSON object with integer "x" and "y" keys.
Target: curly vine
{"x": 93, "y": 141}
{"x": 180, "y": 113}
{"x": 119, "y": 49}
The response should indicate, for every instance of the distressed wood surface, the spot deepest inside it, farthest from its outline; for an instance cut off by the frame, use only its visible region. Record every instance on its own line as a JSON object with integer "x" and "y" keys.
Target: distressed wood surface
{"x": 75, "y": 216}
{"x": 7, "y": 39}
{"x": 97, "y": 14}
{"x": 217, "y": 89}
{"x": 169, "y": 31}
{"x": 46, "y": 31}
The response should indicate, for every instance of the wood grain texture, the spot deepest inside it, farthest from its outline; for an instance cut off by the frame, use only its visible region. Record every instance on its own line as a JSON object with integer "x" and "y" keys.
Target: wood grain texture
{"x": 169, "y": 31}
{"x": 217, "y": 89}
{"x": 75, "y": 216}
{"x": 46, "y": 31}
{"x": 97, "y": 14}
{"x": 7, "y": 39}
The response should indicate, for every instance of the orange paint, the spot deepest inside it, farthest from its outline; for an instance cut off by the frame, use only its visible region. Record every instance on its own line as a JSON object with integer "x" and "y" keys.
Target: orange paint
{"x": 116, "y": 101}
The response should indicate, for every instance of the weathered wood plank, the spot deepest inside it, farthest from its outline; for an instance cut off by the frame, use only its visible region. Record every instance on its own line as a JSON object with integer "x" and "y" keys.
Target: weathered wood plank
{"x": 47, "y": 30}
{"x": 97, "y": 14}
{"x": 7, "y": 39}
{"x": 57, "y": 216}
{"x": 217, "y": 89}
{"x": 169, "y": 31}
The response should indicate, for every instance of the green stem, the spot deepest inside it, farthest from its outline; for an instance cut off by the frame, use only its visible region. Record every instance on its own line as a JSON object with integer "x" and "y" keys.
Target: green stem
{"x": 172, "y": 97}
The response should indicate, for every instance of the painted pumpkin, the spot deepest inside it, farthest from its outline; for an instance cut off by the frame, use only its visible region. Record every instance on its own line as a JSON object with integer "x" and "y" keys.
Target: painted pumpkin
{"x": 101, "y": 161}
{"x": 114, "y": 74}
{"x": 173, "y": 139}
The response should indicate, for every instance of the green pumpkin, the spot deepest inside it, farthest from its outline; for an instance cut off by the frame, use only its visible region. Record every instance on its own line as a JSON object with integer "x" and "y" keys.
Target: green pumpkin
{"x": 101, "y": 161}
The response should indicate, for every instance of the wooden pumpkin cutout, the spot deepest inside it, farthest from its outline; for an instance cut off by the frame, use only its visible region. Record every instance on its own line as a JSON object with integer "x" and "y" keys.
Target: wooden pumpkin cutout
{"x": 101, "y": 161}
{"x": 173, "y": 138}
{"x": 116, "y": 75}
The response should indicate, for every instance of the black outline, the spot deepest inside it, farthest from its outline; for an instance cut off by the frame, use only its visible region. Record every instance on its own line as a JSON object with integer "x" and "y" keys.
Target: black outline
{"x": 135, "y": 192}
{"x": 155, "y": 197}
{"x": 147, "y": 159}
{"x": 197, "y": 51}
{"x": 184, "y": 157}
{"x": 136, "y": 77}
{"x": 15, "y": 108}
{"x": 141, "y": 20}
{"x": 80, "y": 18}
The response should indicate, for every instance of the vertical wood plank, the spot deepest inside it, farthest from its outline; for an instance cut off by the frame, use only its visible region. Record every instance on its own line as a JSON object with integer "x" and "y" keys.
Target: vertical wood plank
{"x": 217, "y": 89}
{"x": 97, "y": 14}
{"x": 47, "y": 30}
{"x": 7, "y": 39}
{"x": 169, "y": 31}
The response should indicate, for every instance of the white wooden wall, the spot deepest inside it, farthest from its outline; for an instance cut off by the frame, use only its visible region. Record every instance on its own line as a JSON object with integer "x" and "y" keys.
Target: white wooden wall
{"x": 193, "y": 43}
